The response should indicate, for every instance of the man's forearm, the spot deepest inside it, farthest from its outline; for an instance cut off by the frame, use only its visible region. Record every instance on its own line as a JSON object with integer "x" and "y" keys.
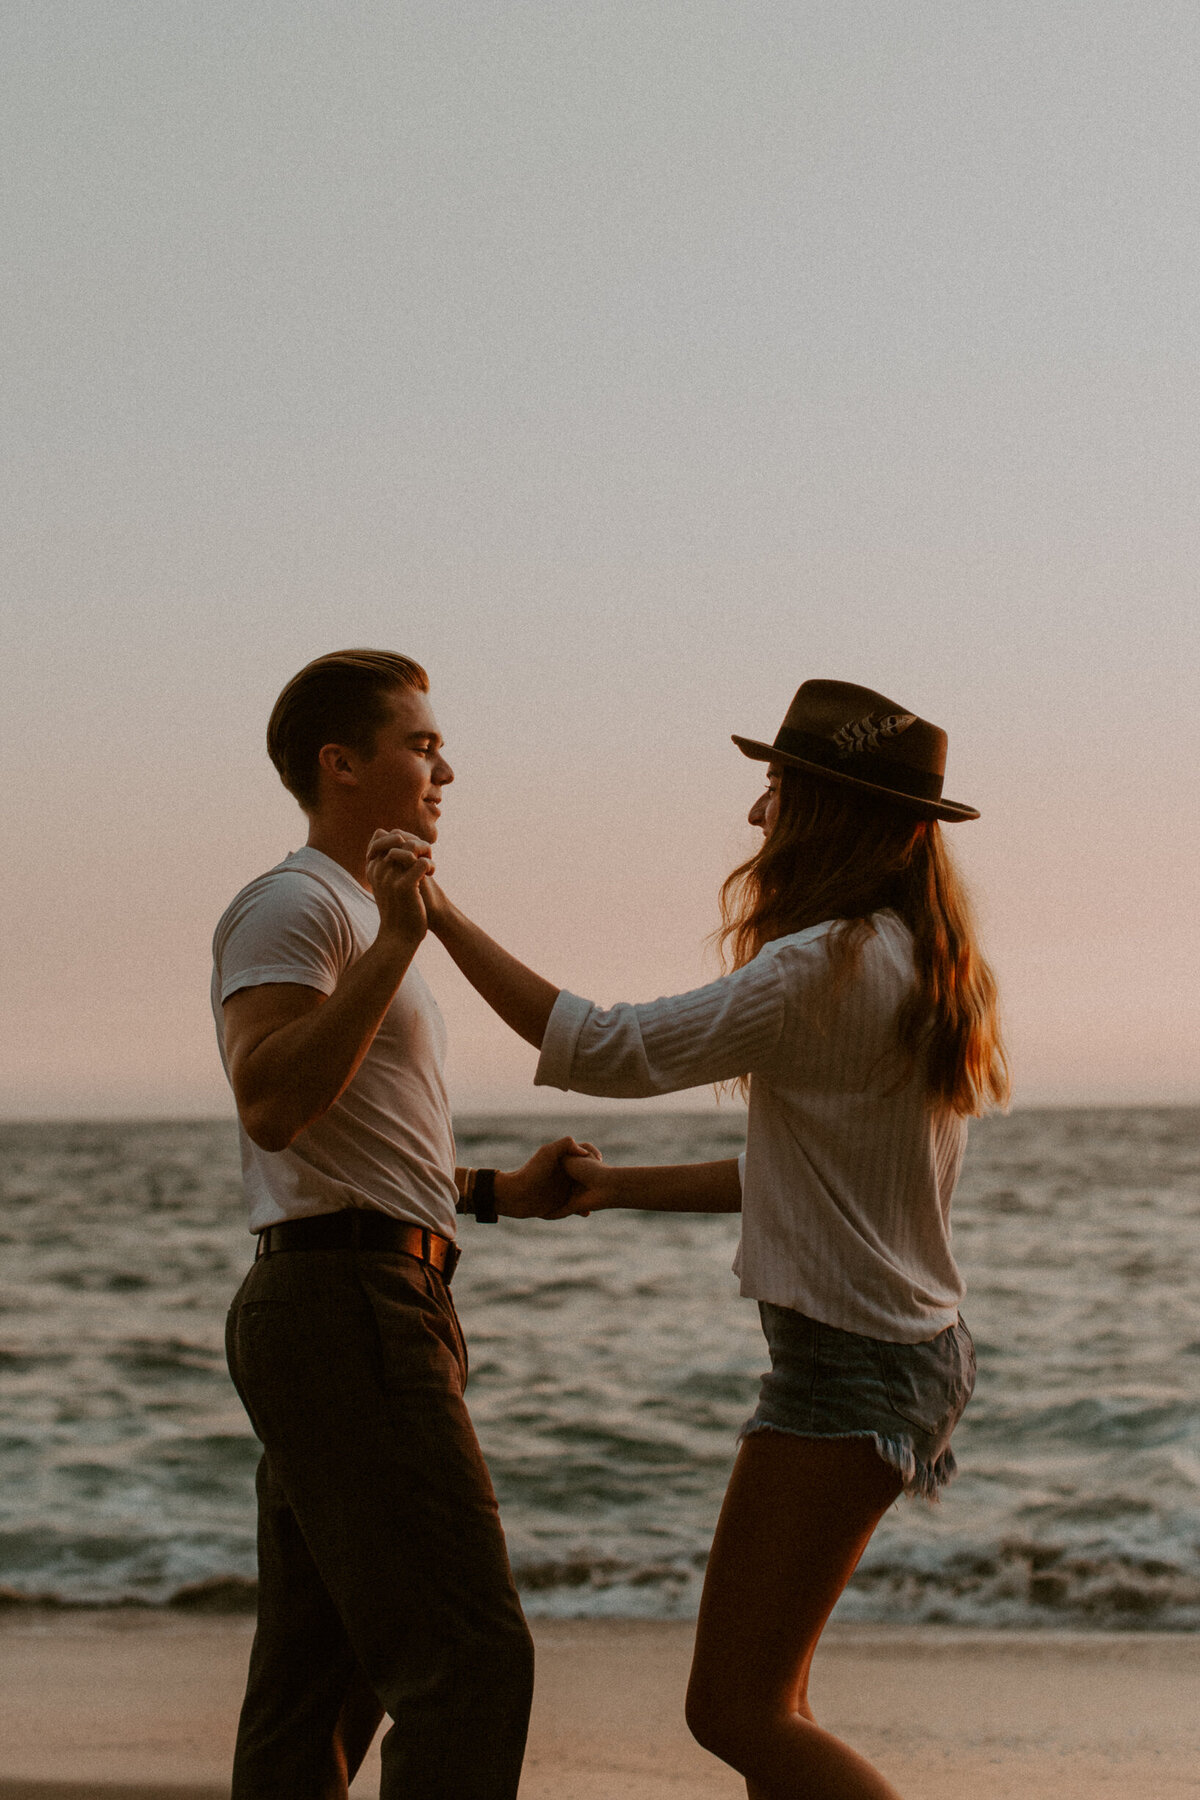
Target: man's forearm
{"x": 523, "y": 999}
{"x": 297, "y": 1072}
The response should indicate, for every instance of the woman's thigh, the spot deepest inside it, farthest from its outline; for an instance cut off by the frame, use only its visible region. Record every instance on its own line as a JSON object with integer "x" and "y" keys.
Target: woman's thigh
{"x": 798, "y": 1514}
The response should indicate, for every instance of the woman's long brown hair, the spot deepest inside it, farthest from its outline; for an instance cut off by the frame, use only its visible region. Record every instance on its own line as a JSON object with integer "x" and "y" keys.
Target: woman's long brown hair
{"x": 837, "y": 854}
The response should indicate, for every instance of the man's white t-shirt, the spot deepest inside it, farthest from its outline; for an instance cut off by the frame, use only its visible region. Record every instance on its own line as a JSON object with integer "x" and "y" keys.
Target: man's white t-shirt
{"x": 388, "y": 1142}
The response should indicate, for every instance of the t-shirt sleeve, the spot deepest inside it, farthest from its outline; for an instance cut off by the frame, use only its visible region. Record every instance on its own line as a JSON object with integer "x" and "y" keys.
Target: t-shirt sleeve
{"x": 714, "y": 1033}
{"x": 284, "y": 928}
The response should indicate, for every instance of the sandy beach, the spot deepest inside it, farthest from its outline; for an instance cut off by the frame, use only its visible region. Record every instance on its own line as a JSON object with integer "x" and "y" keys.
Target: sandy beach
{"x": 130, "y": 1706}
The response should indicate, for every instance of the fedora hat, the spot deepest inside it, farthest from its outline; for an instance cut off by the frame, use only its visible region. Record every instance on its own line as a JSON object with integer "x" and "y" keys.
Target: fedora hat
{"x": 858, "y": 737}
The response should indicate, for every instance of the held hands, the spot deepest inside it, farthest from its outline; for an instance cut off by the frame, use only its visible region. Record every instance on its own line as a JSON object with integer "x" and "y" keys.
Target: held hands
{"x": 397, "y": 864}
{"x": 400, "y": 870}
{"x": 590, "y": 1180}
{"x": 542, "y": 1188}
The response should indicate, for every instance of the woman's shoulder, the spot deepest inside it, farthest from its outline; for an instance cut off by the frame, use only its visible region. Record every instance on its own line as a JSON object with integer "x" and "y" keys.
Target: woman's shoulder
{"x": 884, "y": 953}
{"x": 810, "y": 939}
{"x": 892, "y": 934}
{"x": 887, "y": 930}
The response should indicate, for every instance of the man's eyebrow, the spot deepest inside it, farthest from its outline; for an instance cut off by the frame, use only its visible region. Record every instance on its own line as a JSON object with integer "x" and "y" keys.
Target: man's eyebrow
{"x": 434, "y": 737}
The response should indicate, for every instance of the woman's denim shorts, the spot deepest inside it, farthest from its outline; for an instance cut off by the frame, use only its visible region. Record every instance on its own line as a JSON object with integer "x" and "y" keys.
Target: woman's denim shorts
{"x": 907, "y": 1398}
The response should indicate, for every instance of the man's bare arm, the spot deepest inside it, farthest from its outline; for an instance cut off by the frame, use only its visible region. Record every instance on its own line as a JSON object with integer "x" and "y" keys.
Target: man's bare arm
{"x": 292, "y": 1051}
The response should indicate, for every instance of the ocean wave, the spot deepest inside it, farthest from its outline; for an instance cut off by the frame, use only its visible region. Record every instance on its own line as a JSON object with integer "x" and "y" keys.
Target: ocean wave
{"x": 1019, "y": 1585}
{"x": 1028, "y": 1584}
{"x": 612, "y": 1366}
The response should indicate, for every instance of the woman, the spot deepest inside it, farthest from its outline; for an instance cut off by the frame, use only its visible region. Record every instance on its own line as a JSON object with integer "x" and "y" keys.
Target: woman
{"x": 861, "y": 1018}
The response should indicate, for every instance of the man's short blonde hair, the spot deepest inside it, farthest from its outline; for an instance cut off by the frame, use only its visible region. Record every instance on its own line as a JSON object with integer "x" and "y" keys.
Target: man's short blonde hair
{"x": 338, "y": 699}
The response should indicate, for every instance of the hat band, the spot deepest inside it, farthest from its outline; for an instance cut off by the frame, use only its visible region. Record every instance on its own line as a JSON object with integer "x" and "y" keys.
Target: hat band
{"x": 867, "y": 765}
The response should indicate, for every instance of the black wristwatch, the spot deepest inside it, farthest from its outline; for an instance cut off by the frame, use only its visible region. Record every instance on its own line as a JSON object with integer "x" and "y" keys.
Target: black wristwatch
{"x": 479, "y": 1196}
{"x": 483, "y": 1197}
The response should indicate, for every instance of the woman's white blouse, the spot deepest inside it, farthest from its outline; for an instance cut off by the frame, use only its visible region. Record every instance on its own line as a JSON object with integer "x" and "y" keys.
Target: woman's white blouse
{"x": 849, "y": 1171}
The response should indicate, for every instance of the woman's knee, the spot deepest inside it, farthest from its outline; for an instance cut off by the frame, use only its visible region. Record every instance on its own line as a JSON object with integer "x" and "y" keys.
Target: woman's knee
{"x": 731, "y": 1719}
{"x": 705, "y": 1726}
{"x": 717, "y": 1720}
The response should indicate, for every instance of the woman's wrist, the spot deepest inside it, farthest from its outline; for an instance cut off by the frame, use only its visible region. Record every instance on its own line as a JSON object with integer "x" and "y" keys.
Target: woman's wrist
{"x": 438, "y": 910}
{"x": 605, "y": 1187}
{"x": 668, "y": 1187}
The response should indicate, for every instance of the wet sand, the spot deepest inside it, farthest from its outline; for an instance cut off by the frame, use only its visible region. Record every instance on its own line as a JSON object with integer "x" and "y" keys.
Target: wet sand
{"x": 130, "y": 1706}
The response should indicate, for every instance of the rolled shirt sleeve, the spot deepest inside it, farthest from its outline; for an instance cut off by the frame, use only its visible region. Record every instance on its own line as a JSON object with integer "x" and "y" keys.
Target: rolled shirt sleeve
{"x": 714, "y": 1033}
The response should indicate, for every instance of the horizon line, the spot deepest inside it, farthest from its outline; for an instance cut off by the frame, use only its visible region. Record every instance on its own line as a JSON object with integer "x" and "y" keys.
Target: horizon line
{"x": 634, "y": 1110}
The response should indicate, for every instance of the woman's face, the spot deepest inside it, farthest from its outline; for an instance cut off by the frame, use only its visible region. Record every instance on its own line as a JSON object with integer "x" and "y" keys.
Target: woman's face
{"x": 765, "y": 810}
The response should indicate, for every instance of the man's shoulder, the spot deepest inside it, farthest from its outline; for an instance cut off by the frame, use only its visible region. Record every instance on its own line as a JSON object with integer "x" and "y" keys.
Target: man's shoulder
{"x": 303, "y": 885}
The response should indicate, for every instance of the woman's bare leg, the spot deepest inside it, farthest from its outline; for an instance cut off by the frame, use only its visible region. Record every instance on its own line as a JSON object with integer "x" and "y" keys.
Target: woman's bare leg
{"x": 797, "y": 1517}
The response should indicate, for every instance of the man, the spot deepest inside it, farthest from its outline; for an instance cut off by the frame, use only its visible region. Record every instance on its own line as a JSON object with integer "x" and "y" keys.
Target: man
{"x": 384, "y": 1583}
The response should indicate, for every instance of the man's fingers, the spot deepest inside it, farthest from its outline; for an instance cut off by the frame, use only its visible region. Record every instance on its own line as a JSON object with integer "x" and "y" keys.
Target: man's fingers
{"x": 381, "y": 840}
{"x": 394, "y": 846}
{"x": 403, "y": 859}
{"x": 570, "y": 1146}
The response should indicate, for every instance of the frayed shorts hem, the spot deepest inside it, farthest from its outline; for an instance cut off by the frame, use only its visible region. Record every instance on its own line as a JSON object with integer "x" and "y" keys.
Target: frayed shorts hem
{"x": 920, "y": 1480}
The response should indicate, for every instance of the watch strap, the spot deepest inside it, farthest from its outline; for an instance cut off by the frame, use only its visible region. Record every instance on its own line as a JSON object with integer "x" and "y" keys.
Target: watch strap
{"x": 483, "y": 1196}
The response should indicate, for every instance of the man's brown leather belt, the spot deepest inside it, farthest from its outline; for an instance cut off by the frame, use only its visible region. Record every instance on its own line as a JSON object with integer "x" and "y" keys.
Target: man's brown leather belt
{"x": 361, "y": 1228}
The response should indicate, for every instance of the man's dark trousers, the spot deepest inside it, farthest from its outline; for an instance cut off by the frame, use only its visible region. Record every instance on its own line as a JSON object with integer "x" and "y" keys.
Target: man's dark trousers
{"x": 384, "y": 1582}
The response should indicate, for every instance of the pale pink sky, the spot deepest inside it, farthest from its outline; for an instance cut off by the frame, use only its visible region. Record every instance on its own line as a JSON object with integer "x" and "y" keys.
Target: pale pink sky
{"x": 627, "y": 366}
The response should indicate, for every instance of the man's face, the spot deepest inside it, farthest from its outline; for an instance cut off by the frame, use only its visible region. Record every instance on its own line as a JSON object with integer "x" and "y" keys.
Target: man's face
{"x": 401, "y": 783}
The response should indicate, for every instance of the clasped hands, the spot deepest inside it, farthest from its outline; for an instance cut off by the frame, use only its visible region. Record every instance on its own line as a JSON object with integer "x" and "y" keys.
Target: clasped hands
{"x": 558, "y": 1182}
{"x": 400, "y": 869}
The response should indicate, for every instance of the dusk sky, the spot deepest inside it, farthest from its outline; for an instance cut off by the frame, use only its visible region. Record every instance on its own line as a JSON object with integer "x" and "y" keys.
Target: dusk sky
{"x": 626, "y": 364}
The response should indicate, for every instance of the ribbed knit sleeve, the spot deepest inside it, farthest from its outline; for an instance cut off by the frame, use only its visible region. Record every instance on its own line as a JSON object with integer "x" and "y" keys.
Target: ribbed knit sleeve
{"x": 849, "y": 1167}
{"x": 714, "y": 1033}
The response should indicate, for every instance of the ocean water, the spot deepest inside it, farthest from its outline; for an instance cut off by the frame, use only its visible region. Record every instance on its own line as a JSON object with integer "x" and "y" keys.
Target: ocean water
{"x": 612, "y": 1365}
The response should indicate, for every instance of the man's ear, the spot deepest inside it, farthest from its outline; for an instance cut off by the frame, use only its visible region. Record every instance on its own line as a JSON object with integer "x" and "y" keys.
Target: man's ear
{"x": 339, "y": 764}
